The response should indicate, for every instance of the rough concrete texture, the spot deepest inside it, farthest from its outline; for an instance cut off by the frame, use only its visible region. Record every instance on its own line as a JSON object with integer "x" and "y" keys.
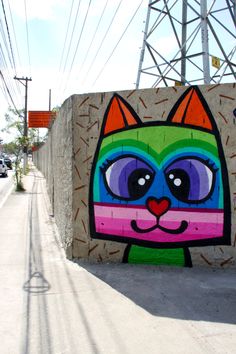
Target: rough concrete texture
{"x": 50, "y": 305}
{"x": 55, "y": 160}
{"x": 85, "y": 115}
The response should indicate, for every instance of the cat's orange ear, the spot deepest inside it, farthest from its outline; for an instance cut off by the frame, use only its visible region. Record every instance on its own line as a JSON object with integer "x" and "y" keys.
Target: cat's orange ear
{"x": 119, "y": 115}
{"x": 192, "y": 109}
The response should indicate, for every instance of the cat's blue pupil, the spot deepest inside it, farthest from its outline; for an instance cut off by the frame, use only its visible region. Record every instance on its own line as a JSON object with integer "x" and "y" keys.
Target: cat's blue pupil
{"x": 129, "y": 178}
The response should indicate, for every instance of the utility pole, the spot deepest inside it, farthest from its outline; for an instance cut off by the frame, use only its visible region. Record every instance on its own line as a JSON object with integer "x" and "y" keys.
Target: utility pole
{"x": 50, "y": 99}
{"x": 24, "y": 82}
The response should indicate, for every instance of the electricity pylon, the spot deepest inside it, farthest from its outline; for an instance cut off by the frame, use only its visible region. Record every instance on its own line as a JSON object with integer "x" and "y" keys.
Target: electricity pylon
{"x": 188, "y": 42}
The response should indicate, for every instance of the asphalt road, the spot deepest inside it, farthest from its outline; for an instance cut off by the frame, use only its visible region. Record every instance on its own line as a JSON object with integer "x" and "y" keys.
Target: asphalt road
{"x": 6, "y": 186}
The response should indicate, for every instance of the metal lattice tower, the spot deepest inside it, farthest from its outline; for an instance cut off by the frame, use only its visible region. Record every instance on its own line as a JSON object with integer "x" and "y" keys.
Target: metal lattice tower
{"x": 188, "y": 42}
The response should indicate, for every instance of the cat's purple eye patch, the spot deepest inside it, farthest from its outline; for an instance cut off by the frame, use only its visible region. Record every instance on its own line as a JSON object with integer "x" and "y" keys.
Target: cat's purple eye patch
{"x": 190, "y": 179}
{"x": 128, "y": 177}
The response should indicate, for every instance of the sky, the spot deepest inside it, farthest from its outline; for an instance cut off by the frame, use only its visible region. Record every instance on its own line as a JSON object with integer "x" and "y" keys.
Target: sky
{"x": 46, "y": 51}
{"x": 47, "y": 27}
{"x": 74, "y": 47}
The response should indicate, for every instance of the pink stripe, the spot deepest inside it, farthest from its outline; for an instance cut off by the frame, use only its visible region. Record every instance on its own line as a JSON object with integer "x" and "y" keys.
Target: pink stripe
{"x": 117, "y": 221}
{"x": 129, "y": 206}
{"x": 144, "y": 214}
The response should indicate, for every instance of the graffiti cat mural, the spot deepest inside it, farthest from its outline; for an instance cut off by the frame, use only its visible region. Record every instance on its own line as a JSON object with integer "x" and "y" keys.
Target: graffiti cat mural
{"x": 160, "y": 187}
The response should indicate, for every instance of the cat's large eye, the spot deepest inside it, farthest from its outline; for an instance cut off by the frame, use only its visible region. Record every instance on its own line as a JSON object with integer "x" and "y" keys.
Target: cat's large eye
{"x": 128, "y": 178}
{"x": 190, "y": 180}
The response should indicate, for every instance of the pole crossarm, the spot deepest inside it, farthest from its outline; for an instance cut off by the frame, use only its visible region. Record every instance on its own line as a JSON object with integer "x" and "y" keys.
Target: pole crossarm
{"x": 22, "y": 79}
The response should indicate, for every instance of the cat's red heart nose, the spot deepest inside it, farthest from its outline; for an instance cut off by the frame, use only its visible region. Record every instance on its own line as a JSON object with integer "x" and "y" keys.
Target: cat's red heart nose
{"x": 158, "y": 207}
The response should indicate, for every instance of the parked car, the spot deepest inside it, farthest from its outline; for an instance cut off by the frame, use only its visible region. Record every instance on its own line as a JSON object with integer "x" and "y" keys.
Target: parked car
{"x": 8, "y": 162}
{"x": 3, "y": 168}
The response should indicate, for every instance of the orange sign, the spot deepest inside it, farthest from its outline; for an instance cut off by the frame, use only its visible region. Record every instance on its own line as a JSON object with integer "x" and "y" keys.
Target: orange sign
{"x": 40, "y": 119}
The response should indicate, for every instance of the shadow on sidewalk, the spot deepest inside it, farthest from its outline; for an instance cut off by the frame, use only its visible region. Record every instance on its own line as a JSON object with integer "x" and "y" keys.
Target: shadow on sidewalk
{"x": 196, "y": 294}
{"x": 37, "y": 284}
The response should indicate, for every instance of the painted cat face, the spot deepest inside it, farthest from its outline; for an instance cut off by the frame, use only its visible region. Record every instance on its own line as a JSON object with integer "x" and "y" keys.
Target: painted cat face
{"x": 162, "y": 184}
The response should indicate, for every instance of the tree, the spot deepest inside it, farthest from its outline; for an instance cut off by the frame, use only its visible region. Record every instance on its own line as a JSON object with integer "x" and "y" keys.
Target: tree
{"x": 15, "y": 148}
{"x": 15, "y": 125}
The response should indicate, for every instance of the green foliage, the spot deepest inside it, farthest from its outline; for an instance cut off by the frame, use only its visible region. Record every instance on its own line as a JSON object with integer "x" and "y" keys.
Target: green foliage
{"x": 15, "y": 148}
{"x": 18, "y": 177}
{"x": 20, "y": 187}
{"x": 56, "y": 109}
{"x": 15, "y": 125}
{"x": 14, "y": 120}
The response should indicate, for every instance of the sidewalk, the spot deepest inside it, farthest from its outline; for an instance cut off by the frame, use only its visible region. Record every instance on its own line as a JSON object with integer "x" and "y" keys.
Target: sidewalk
{"x": 50, "y": 305}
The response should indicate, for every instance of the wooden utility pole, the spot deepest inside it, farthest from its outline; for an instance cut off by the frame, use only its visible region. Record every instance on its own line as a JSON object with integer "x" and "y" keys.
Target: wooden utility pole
{"x": 24, "y": 82}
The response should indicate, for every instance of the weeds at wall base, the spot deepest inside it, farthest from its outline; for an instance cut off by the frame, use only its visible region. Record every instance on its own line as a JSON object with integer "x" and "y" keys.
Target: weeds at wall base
{"x": 20, "y": 187}
{"x": 18, "y": 178}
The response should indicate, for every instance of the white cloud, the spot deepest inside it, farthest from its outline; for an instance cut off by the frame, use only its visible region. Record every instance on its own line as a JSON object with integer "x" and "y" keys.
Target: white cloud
{"x": 166, "y": 45}
{"x": 43, "y": 9}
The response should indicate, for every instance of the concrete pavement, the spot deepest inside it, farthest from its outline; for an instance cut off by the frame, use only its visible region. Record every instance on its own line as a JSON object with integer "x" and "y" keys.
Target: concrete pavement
{"x": 50, "y": 305}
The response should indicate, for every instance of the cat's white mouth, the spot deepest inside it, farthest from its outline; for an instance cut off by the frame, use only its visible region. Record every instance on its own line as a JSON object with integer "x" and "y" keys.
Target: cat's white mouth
{"x": 183, "y": 226}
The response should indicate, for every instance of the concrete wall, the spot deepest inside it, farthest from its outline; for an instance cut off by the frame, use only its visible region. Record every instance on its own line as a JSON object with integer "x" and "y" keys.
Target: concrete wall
{"x": 67, "y": 160}
{"x": 55, "y": 161}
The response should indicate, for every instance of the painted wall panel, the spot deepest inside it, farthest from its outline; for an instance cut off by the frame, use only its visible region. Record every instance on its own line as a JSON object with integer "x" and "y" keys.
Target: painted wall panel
{"x": 153, "y": 176}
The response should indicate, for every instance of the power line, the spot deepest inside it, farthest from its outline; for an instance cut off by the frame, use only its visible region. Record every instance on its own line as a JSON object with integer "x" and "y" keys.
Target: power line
{"x": 94, "y": 35}
{"x": 125, "y": 30}
{"x": 8, "y": 91}
{"x": 9, "y": 37}
{"x": 11, "y": 52}
{"x": 67, "y": 31}
{"x": 78, "y": 42}
{"x": 8, "y": 76}
{"x": 103, "y": 39}
{"x": 5, "y": 43}
{"x": 27, "y": 35}
{"x": 72, "y": 34}
{"x": 16, "y": 46}
{"x": 14, "y": 33}
{"x": 68, "y": 50}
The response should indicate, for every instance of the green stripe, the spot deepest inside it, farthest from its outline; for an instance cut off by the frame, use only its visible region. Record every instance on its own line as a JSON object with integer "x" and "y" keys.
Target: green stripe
{"x": 160, "y": 141}
{"x": 144, "y": 255}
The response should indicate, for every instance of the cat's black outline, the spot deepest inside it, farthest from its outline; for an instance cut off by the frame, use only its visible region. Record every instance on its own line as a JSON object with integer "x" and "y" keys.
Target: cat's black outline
{"x": 225, "y": 239}
{"x": 183, "y": 226}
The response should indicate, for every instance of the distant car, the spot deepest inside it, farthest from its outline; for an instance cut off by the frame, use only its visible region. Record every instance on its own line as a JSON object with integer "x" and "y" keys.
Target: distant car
{"x": 8, "y": 162}
{"x": 3, "y": 168}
